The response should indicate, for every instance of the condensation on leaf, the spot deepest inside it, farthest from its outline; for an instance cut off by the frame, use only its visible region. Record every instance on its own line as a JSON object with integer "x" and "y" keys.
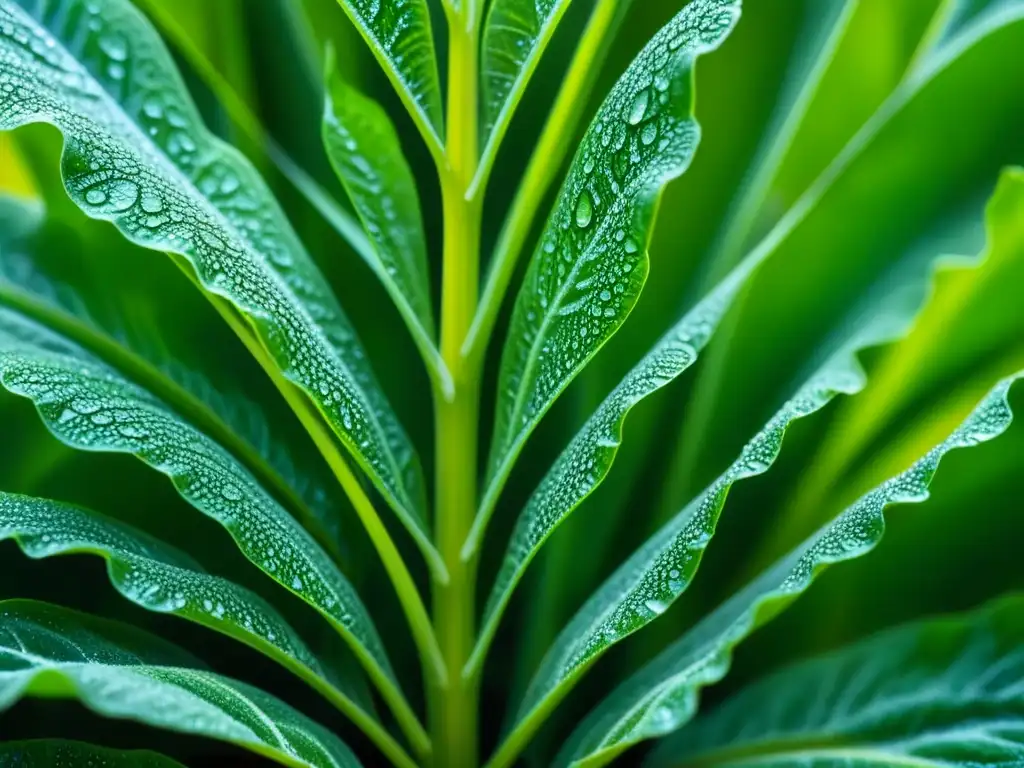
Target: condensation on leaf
{"x": 591, "y": 262}
{"x": 663, "y": 695}
{"x": 150, "y": 573}
{"x": 118, "y": 671}
{"x": 90, "y": 406}
{"x": 136, "y": 153}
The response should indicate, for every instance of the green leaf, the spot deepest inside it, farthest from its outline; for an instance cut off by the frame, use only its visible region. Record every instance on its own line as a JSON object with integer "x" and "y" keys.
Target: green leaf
{"x": 137, "y": 154}
{"x": 364, "y": 150}
{"x": 664, "y": 566}
{"x": 662, "y": 696}
{"x": 88, "y": 405}
{"x": 118, "y": 671}
{"x": 771, "y": 337}
{"x": 959, "y": 317}
{"x": 515, "y": 35}
{"x": 591, "y": 263}
{"x": 586, "y": 461}
{"x": 961, "y": 15}
{"x": 854, "y": 57}
{"x": 159, "y": 578}
{"x": 203, "y": 59}
{"x": 105, "y": 304}
{"x": 50, "y": 753}
{"x": 942, "y": 692}
{"x": 400, "y": 37}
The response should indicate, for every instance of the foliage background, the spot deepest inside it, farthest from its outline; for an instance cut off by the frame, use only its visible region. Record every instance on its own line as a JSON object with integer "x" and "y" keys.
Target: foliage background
{"x": 951, "y": 553}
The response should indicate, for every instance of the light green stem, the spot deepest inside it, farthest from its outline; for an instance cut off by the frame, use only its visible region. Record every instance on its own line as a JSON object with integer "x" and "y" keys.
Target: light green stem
{"x": 453, "y": 705}
{"x": 402, "y": 581}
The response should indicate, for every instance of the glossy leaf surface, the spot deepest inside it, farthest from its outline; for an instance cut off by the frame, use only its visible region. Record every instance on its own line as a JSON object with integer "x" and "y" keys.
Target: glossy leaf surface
{"x": 663, "y": 695}
{"x": 591, "y": 264}
{"x": 159, "y": 578}
{"x": 399, "y": 34}
{"x": 588, "y": 459}
{"x": 88, "y": 405}
{"x": 95, "y": 296}
{"x": 942, "y": 692}
{"x": 137, "y": 154}
{"x": 663, "y": 567}
{"x": 121, "y": 672}
{"x": 364, "y": 150}
{"x": 515, "y": 35}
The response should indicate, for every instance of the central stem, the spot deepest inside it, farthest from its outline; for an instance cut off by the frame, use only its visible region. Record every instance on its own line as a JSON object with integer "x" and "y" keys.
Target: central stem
{"x": 453, "y": 705}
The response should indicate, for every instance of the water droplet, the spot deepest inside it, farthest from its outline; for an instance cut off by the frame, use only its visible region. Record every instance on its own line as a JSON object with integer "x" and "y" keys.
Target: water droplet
{"x": 649, "y": 133}
{"x": 153, "y": 108}
{"x": 151, "y": 203}
{"x": 95, "y": 197}
{"x": 639, "y": 108}
{"x": 231, "y": 493}
{"x": 584, "y": 210}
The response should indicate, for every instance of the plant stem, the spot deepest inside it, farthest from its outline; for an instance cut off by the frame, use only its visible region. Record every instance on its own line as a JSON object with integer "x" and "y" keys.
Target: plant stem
{"x": 453, "y": 706}
{"x": 402, "y": 581}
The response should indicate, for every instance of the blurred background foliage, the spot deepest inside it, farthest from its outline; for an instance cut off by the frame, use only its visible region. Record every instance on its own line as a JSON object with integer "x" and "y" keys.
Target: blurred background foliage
{"x": 918, "y": 190}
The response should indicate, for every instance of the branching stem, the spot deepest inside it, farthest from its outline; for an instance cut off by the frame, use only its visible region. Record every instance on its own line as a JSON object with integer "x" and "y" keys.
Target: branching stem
{"x": 453, "y": 706}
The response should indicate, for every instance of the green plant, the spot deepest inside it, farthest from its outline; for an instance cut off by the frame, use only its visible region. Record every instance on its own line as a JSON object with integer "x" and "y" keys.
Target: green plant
{"x": 859, "y": 143}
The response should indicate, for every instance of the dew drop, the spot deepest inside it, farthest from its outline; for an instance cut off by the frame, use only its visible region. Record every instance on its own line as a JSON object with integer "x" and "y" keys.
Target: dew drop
{"x": 649, "y": 133}
{"x": 584, "y": 210}
{"x": 152, "y": 108}
{"x": 231, "y": 493}
{"x": 151, "y": 203}
{"x": 115, "y": 46}
{"x": 639, "y": 108}
{"x": 122, "y": 194}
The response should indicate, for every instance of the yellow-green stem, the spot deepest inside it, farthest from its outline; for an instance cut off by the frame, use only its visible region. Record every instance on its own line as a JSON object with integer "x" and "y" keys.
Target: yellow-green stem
{"x": 453, "y": 706}
{"x": 401, "y": 579}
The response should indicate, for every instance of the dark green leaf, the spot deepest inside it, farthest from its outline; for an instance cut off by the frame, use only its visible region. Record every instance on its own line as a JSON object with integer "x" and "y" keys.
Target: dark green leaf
{"x": 363, "y": 148}
{"x": 944, "y": 692}
{"x": 587, "y": 273}
{"x": 90, "y": 406}
{"x": 137, "y": 154}
{"x": 662, "y": 569}
{"x": 161, "y": 579}
{"x": 92, "y": 294}
{"x": 663, "y": 695}
{"x": 515, "y": 35}
{"x": 121, "y": 672}
{"x": 55, "y": 753}
{"x": 399, "y": 34}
